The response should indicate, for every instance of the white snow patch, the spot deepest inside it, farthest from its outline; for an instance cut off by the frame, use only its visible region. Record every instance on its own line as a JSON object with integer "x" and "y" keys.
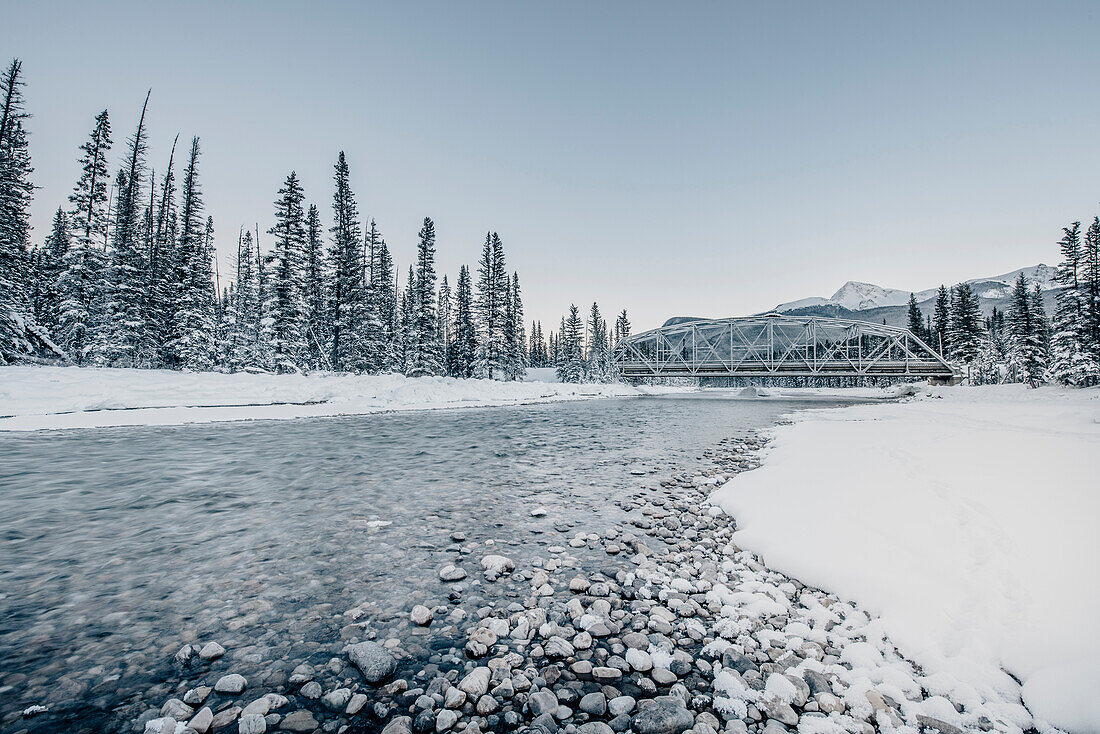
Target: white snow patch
{"x": 964, "y": 521}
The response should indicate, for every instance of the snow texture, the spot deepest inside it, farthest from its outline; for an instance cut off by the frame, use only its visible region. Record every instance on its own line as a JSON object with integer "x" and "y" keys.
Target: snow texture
{"x": 37, "y": 398}
{"x": 964, "y": 519}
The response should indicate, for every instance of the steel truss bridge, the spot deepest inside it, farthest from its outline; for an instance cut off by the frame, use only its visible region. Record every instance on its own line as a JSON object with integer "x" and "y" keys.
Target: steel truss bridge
{"x": 775, "y": 345}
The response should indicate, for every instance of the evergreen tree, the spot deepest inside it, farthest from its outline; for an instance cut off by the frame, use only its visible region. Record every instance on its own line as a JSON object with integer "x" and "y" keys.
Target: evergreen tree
{"x": 916, "y": 318}
{"x": 571, "y": 364}
{"x": 424, "y": 358}
{"x": 48, "y": 268}
{"x": 15, "y": 200}
{"x": 1025, "y": 347}
{"x": 247, "y": 313}
{"x": 406, "y": 332}
{"x": 164, "y": 267}
{"x": 315, "y": 318}
{"x": 444, "y": 324}
{"x": 192, "y": 346}
{"x": 464, "y": 347}
{"x": 516, "y": 338}
{"x": 1090, "y": 287}
{"x": 346, "y": 299}
{"x": 125, "y": 339}
{"x": 598, "y": 368}
{"x": 622, "y": 327}
{"x": 378, "y": 301}
{"x": 537, "y": 348}
{"x": 490, "y": 308}
{"x": 1072, "y": 359}
{"x": 941, "y": 322}
{"x": 283, "y": 292}
{"x": 965, "y": 329}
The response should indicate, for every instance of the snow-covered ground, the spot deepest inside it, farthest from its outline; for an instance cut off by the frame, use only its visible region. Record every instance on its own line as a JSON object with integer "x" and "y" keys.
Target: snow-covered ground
{"x": 965, "y": 519}
{"x": 36, "y": 398}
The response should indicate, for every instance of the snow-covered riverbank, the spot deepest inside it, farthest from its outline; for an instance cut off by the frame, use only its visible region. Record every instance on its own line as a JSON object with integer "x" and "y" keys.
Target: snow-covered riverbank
{"x": 965, "y": 519}
{"x": 37, "y": 398}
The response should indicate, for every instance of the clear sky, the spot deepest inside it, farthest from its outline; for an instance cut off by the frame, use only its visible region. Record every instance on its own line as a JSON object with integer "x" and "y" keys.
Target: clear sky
{"x": 706, "y": 158}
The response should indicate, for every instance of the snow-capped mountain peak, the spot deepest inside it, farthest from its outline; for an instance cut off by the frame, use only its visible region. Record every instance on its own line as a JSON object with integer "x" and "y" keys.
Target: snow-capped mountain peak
{"x": 857, "y": 296}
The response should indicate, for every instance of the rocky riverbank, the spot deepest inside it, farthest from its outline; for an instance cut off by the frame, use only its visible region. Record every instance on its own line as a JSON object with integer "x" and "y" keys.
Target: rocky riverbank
{"x": 676, "y": 630}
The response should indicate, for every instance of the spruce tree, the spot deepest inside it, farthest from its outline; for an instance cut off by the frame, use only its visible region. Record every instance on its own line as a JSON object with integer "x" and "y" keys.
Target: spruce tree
{"x": 191, "y": 346}
{"x": 965, "y": 329}
{"x": 1024, "y": 336}
{"x": 424, "y": 358}
{"x": 406, "y": 337}
{"x": 246, "y": 320}
{"x": 1090, "y": 287}
{"x": 346, "y": 298}
{"x": 598, "y": 352}
{"x": 444, "y": 325}
{"x": 516, "y": 341}
{"x": 622, "y": 327}
{"x": 491, "y": 301}
{"x": 164, "y": 267}
{"x": 916, "y": 318}
{"x": 283, "y": 291}
{"x": 571, "y": 365}
{"x": 941, "y": 323}
{"x": 315, "y": 317}
{"x": 463, "y": 351}
{"x": 378, "y": 301}
{"x": 125, "y": 339}
{"x": 1072, "y": 360}
{"x": 15, "y": 200}
{"x": 48, "y": 266}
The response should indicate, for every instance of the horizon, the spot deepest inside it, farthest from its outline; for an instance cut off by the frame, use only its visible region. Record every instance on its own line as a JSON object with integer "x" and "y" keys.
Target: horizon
{"x": 596, "y": 155}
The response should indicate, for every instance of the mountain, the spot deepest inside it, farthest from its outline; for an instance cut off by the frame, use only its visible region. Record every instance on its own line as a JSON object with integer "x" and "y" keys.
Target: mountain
{"x": 857, "y": 296}
{"x": 869, "y": 302}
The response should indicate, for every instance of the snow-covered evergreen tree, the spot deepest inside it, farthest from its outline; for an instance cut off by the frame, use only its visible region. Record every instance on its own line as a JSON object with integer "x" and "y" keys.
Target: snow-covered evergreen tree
{"x": 1090, "y": 287}
{"x": 941, "y": 323}
{"x": 599, "y": 350}
{"x": 916, "y": 318}
{"x": 1072, "y": 361}
{"x": 516, "y": 337}
{"x": 16, "y": 324}
{"x": 378, "y": 301}
{"x": 192, "y": 346}
{"x": 571, "y": 363}
{"x": 48, "y": 266}
{"x": 405, "y": 336}
{"x": 125, "y": 339}
{"x": 315, "y": 319}
{"x": 347, "y": 289}
{"x": 246, "y": 320}
{"x": 283, "y": 272}
{"x": 1025, "y": 349}
{"x": 444, "y": 324}
{"x": 965, "y": 330}
{"x": 622, "y": 327}
{"x": 463, "y": 349}
{"x": 424, "y": 357}
{"x": 490, "y": 305}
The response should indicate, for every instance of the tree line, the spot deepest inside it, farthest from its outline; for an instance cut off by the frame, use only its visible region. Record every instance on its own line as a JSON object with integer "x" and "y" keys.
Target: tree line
{"x": 126, "y": 277}
{"x": 1022, "y": 344}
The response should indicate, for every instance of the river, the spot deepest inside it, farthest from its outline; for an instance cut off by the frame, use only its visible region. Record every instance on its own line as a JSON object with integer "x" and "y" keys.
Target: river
{"x": 121, "y": 545}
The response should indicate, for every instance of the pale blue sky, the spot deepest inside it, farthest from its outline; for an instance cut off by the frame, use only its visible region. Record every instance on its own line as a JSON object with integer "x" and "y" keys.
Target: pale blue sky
{"x": 701, "y": 158}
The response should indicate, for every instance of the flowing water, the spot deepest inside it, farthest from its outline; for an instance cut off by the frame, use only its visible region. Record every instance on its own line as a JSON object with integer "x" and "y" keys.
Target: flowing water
{"x": 117, "y": 546}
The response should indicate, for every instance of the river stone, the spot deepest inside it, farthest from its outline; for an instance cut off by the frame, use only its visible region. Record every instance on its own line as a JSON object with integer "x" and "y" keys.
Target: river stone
{"x": 486, "y": 705}
{"x": 476, "y": 682}
{"x": 737, "y": 661}
{"x": 621, "y": 705}
{"x": 558, "y": 647}
{"x": 225, "y": 717}
{"x": 374, "y": 661}
{"x": 301, "y": 721}
{"x": 421, "y": 615}
{"x": 594, "y": 704}
{"x": 662, "y": 716}
{"x": 399, "y": 725}
{"x": 498, "y": 565}
{"x": 177, "y": 709}
{"x": 163, "y": 725}
{"x": 545, "y": 724}
{"x": 543, "y": 702}
{"x": 233, "y": 684}
{"x": 197, "y": 695}
{"x": 663, "y": 676}
{"x": 252, "y": 724}
{"x": 445, "y": 720}
{"x": 595, "y": 727}
{"x": 311, "y": 690}
{"x": 260, "y": 706}
{"x": 201, "y": 721}
{"x": 337, "y": 699}
{"x": 451, "y": 572}
{"x": 639, "y": 660}
{"x": 211, "y": 651}
{"x": 454, "y": 698}
{"x": 606, "y": 675}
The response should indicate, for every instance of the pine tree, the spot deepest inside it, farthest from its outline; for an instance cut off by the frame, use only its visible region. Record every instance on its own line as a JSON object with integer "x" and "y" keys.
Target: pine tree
{"x": 941, "y": 323}
{"x": 444, "y": 325}
{"x": 283, "y": 305}
{"x": 346, "y": 299}
{"x": 965, "y": 329}
{"x": 571, "y": 365}
{"x": 1042, "y": 327}
{"x": 1072, "y": 360}
{"x": 406, "y": 336}
{"x": 1090, "y": 287}
{"x": 463, "y": 351}
{"x": 598, "y": 352}
{"x": 48, "y": 265}
{"x": 124, "y": 341}
{"x": 622, "y": 327}
{"x": 15, "y": 200}
{"x": 490, "y": 306}
{"x": 191, "y": 346}
{"x": 164, "y": 268}
{"x": 378, "y": 301}
{"x": 1024, "y": 336}
{"x": 246, "y": 320}
{"x": 516, "y": 338}
{"x": 916, "y": 318}
{"x": 424, "y": 358}
{"x": 315, "y": 317}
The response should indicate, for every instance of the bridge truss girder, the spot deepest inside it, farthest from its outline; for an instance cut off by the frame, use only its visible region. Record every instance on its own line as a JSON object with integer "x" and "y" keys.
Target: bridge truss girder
{"x": 776, "y": 345}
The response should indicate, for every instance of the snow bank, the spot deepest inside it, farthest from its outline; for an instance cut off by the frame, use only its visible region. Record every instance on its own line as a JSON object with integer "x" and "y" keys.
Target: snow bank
{"x": 966, "y": 519}
{"x": 35, "y": 398}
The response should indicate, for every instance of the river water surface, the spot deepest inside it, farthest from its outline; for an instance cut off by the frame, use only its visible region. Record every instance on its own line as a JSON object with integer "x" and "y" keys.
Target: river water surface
{"x": 117, "y": 546}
